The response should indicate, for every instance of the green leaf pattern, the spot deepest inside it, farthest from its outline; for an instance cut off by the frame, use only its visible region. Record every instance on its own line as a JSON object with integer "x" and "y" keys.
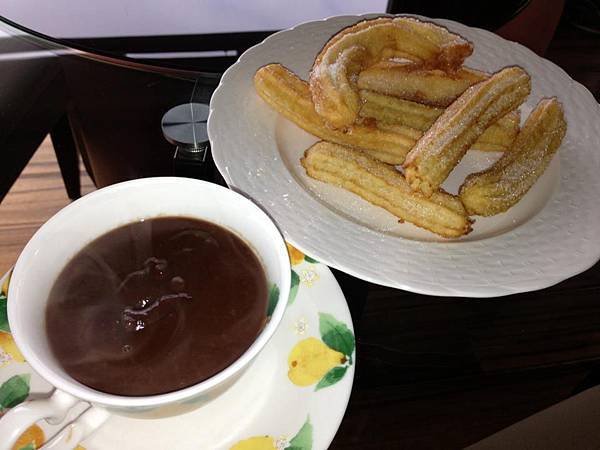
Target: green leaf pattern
{"x": 295, "y": 283}
{"x": 308, "y": 259}
{"x": 28, "y": 447}
{"x": 332, "y": 377}
{"x": 14, "y": 391}
{"x": 3, "y": 314}
{"x": 303, "y": 439}
{"x": 336, "y": 334}
{"x": 273, "y": 298}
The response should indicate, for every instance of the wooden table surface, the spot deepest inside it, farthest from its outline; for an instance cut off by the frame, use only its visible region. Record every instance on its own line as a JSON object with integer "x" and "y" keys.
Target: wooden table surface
{"x": 431, "y": 372}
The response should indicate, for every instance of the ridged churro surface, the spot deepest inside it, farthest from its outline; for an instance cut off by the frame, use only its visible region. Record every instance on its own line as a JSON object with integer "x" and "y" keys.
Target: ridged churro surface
{"x": 387, "y": 109}
{"x": 333, "y": 75}
{"x": 382, "y": 185}
{"x": 290, "y": 96}
{"x": 286, "y": 93}
{"x": 407, "y": 81}
{"x": 498, "y": 188}
{"x": 442, "y": 146}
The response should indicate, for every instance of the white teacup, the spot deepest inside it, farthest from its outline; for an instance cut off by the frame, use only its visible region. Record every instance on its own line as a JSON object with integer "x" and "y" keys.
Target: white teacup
{"x": 77, "y": 225}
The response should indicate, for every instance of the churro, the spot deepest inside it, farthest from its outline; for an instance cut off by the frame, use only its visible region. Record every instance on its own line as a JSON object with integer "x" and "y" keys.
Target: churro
{"x": 332, "y": 78}
{"x": 382, "y": 185}
{"x": 408, "y": 81}
{"x": 442, "y": 146}
{"x": 392, "y": 110}
{"x": 498, "y": 188}
{"x": 290, "y": 96}
{"x": 388, "y": 142}
{"x": 500, "y": 135}
{"x": 387, "y": 109}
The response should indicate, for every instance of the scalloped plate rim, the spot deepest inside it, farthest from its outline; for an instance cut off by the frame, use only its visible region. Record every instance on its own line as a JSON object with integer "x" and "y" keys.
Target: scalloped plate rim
{"x": 484, "y": 290}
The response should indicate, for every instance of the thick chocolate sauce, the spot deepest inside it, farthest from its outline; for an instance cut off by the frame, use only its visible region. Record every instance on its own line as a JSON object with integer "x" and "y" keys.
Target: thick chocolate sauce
{"x": 156, "y": 306}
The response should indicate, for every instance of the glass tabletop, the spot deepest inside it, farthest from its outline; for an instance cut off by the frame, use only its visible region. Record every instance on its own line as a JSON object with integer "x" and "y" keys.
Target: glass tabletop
{"x": 207, "y": 36}
{"x": 111, "y": 72}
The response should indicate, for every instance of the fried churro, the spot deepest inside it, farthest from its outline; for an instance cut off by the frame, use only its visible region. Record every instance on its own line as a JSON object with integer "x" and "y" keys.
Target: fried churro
{"x": 382, "y": 185}
{"x": 498, "y": 188}
{"x": 290, "y": 96}
{"x": 388, "y": 142}
{"x": 499, "y": 136}
{"x": 408, "y": 81}
{"x": 387, "y": 109}
{"x": 392, "y": 110}
{"x": 332, "y": 78}
{"x": 461, "y": 124}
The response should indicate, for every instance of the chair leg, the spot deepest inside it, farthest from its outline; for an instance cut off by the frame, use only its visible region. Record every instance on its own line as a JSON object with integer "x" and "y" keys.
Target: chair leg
{"x": 66, "y": 154}
{"x": 16, "y": 153}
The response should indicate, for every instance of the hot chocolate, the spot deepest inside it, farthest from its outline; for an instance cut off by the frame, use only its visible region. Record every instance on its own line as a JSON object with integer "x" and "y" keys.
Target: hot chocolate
{"x": 155, "y": 306}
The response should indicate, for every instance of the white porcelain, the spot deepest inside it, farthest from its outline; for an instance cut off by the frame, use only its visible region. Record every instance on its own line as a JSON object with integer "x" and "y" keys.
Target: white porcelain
{"x": 81, "y": 222}
{"x": 263, "y": 404}
{"x": 549, "y": 236}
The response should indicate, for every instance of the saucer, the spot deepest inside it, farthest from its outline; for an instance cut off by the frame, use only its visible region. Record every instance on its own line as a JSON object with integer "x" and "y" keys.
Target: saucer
{"x": 293, "y": 395}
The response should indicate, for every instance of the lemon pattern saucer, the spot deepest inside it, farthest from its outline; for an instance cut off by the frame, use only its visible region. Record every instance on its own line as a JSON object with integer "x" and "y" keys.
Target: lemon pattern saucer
{"x": 292, "y": 397}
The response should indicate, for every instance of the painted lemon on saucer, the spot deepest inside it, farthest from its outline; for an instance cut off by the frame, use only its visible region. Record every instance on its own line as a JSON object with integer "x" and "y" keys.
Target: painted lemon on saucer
{"x": 301, "y": 441}
{"x": 323, "y": 361}
{"x": 310, "y": 360}
{"x": 32, "y": 438}
{"x": 8, "y": 350}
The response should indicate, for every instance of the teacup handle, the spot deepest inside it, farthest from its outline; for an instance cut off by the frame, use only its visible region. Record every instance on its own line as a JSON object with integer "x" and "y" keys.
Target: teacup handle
{"x": 76, "y": 431}
{"x": 53, "y": 409}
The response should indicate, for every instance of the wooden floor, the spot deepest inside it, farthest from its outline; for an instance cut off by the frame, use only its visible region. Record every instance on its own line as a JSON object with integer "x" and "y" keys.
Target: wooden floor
{"x": 37, "y": 195}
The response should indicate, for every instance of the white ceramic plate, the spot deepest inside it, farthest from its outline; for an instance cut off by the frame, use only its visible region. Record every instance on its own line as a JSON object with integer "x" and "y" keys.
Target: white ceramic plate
{"x": 265, "y": 408}
{"x": 549, "y": 236}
